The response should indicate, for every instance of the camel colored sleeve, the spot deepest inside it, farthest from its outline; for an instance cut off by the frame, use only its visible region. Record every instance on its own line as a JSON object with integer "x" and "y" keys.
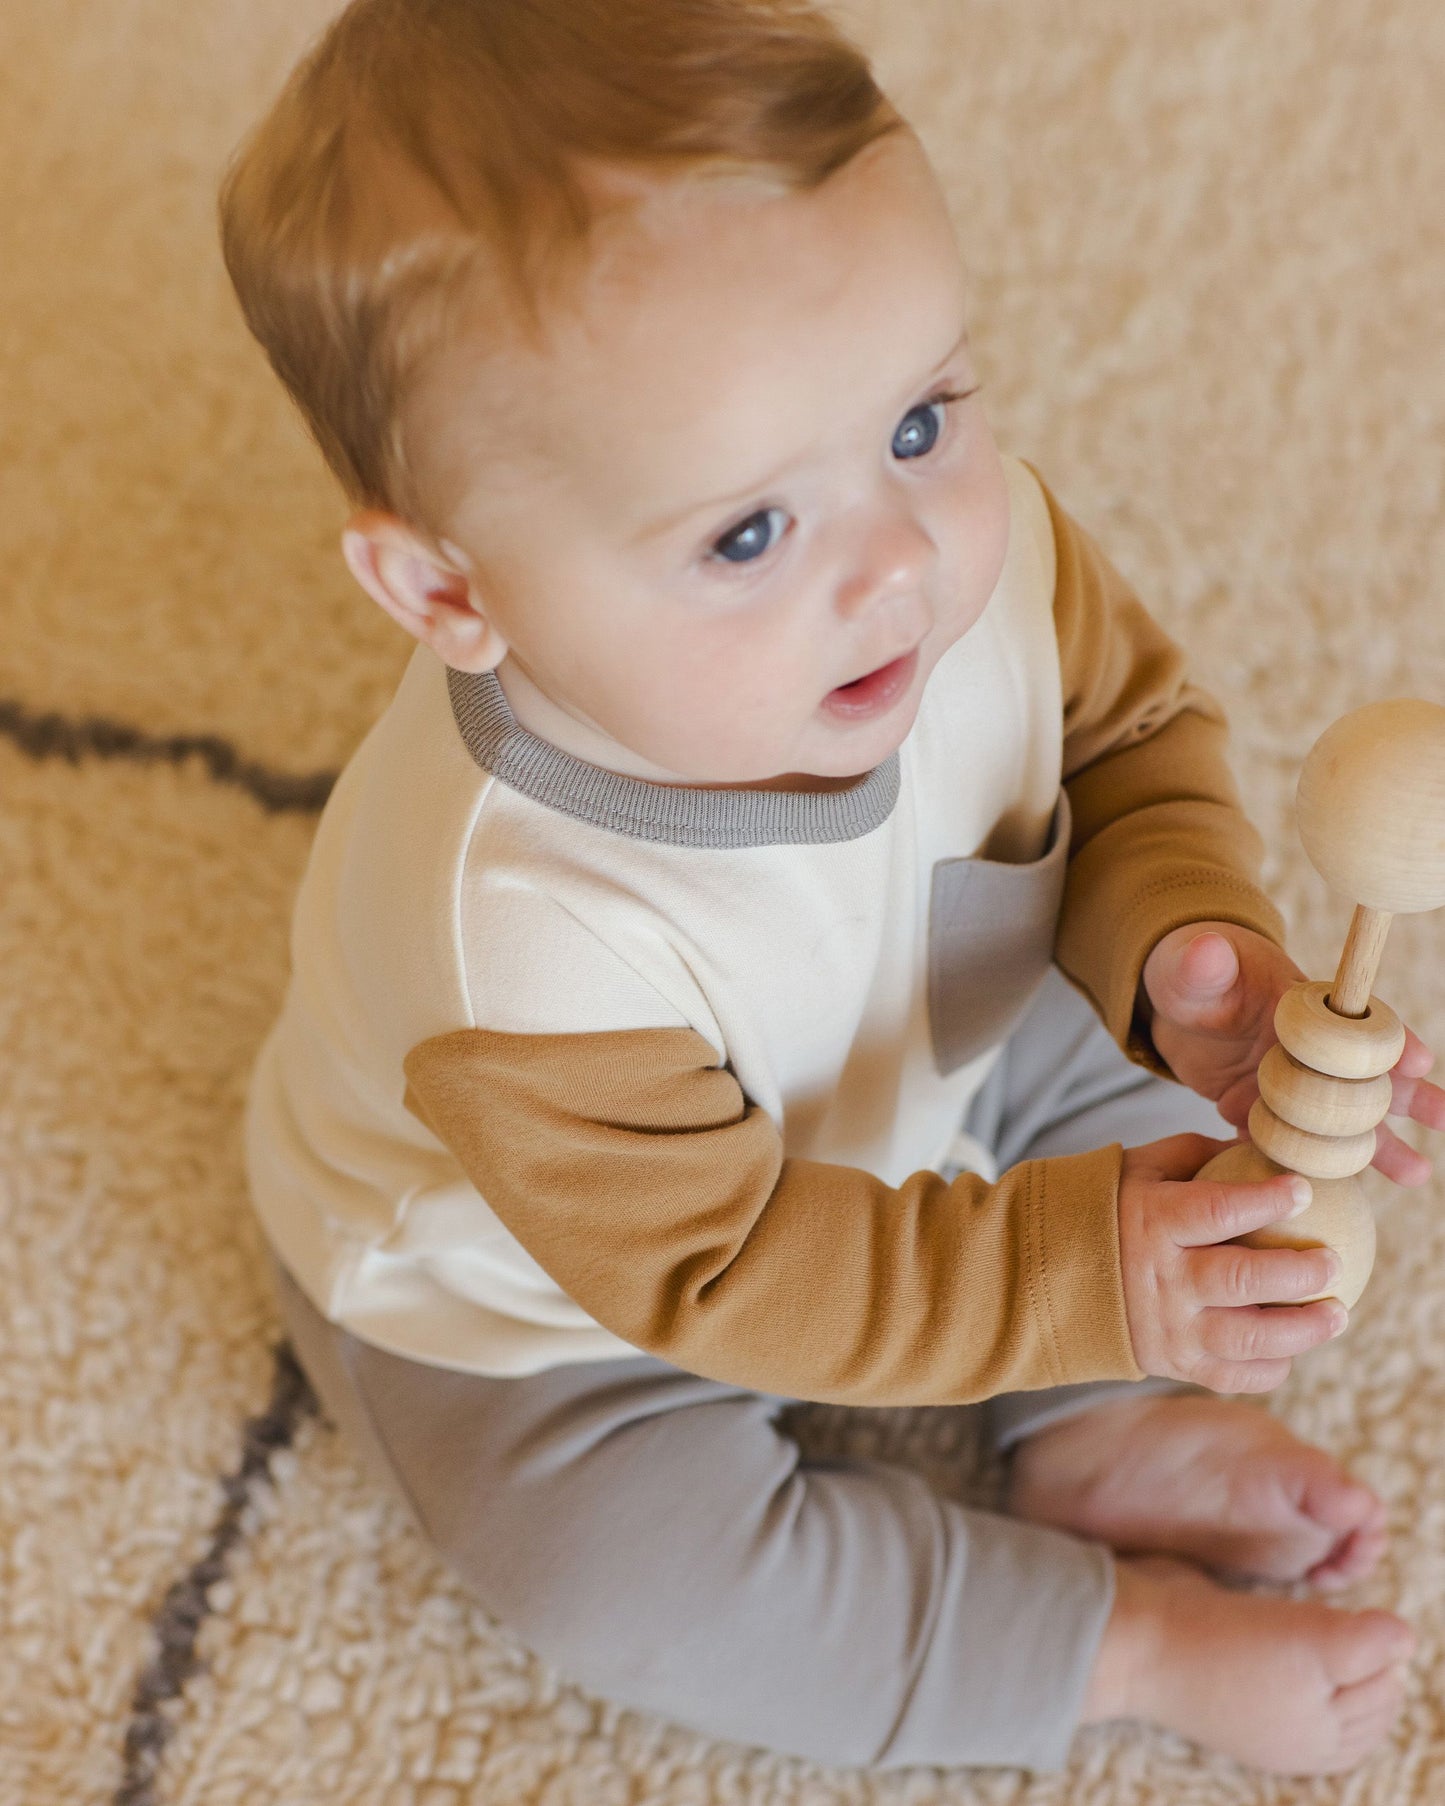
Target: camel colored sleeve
{"x": 1159, "y": 835}
{"x": 634, "y": 1170}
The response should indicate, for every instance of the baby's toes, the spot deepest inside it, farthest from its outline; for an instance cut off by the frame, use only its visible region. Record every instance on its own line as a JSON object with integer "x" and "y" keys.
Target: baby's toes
{"x": 1301, "y": 1516}
{"x": 1361, "y": 1648}
{"x": 1352, "y": 1558}
{"x": 1335, "y": 1500}
{"x": 1367, "y": 1711}
{"x": 1349, "y": 1514}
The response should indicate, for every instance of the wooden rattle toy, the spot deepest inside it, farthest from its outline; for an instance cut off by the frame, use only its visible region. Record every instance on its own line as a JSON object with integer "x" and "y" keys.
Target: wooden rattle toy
{"x": 1371, "y": 810}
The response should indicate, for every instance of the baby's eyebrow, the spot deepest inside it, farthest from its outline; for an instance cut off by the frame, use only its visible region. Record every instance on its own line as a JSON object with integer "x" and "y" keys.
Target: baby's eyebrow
{"x": 716, "y": 505}
{"x": 719, "y": 503}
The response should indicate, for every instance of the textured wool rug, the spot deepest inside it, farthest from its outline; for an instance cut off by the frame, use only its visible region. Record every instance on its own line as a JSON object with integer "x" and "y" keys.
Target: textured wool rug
{"x": 1208, "y": 258}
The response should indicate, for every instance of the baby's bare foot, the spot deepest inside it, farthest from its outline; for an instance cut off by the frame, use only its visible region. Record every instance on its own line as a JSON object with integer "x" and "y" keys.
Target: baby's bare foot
{"x": 1292, "y": 1687}
{"x": 1222, "y": 1482}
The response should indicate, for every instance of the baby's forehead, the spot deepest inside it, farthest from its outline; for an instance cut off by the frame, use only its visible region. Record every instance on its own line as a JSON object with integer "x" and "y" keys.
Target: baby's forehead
{"x": 714, "y": 324}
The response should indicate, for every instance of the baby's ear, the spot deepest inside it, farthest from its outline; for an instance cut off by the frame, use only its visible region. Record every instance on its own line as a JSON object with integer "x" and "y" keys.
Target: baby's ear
{"x": 423, "y": 587}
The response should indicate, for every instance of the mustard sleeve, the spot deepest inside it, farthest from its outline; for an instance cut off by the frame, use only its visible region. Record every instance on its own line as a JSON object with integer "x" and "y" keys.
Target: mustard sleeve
{"x": 1159, "y": 836}
{"x": 636, "y": 1172}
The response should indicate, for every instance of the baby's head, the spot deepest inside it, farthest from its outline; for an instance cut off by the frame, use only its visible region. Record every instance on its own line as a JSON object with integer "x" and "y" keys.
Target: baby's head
{"x": 635, "y": 335}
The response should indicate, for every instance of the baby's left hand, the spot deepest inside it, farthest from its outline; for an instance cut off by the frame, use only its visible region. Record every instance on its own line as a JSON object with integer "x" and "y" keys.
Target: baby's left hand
{"x": 1213, "y": 988}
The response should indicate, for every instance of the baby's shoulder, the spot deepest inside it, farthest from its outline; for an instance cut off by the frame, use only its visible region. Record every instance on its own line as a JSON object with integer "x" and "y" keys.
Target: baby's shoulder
{"x": 437, "y": 898}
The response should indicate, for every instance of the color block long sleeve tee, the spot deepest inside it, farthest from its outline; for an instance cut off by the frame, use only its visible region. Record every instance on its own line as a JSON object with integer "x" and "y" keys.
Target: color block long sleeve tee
{"x": 574, "y": 1066}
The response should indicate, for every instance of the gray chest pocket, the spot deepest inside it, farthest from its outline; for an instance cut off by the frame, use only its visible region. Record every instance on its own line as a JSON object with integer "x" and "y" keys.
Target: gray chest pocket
{"x": 990, "y": 940}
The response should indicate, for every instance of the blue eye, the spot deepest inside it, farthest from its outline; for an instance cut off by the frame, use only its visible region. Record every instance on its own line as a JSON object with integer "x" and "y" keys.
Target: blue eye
{"x": 749, "y": 539}
{"x": 918, "y": 433}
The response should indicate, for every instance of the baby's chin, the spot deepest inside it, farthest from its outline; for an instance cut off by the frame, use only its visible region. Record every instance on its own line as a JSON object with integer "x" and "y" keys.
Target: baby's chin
{"x": 850, "y": 770}
{"x": 846, "y": 737}
{"x": 817, "y": 769}
{"x": 860, "y": 725}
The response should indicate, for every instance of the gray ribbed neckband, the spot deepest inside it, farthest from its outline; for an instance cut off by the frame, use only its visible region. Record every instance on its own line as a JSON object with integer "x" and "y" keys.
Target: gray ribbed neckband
{"x": 677, "y": 814}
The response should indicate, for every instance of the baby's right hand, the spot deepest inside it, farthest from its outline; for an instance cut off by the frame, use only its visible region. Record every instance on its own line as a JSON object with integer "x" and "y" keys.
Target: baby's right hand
{"x": 1197, "y": 1309}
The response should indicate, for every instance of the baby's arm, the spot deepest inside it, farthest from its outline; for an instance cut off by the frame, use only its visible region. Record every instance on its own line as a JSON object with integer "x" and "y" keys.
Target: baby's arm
{"x": 633, "y": 1168}
{"x": 1161, "y": 851}
{"x": 1159, "y": 838}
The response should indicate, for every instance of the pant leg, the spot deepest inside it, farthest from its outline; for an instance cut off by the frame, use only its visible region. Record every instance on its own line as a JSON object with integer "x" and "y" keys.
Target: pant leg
{"x": 661, "y": 1541}
{"x": 1061, "y": 1086}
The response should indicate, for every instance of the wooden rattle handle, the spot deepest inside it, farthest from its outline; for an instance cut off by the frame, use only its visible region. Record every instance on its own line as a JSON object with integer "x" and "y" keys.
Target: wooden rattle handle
{"x": 1359, "y": 961}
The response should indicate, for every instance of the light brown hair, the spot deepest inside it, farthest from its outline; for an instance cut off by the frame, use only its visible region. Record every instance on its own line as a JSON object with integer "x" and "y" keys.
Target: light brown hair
{"x": 428, "y": 151}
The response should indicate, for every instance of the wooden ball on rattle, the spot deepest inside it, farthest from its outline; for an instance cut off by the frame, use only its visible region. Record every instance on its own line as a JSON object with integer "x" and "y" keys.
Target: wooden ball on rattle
{"x": 1371, "y": 806}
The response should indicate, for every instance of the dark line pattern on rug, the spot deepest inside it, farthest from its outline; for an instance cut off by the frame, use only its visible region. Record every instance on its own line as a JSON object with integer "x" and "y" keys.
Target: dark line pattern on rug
{"x": 58, "y": 737}
{"x": 186, "y": 1605}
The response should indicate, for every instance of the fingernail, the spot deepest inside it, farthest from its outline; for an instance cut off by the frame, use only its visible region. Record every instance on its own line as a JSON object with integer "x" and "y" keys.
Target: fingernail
{"x": 1334, "y": 1266}
{"x": 1303, "y": 1194}
{"x": 1339, "y": 1321}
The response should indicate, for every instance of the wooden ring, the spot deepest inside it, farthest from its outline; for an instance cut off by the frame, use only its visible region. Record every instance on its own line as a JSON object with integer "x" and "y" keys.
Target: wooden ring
{"x": 1316, "y": 1156}
{"x": 1345, "y": 1047}
{"x": 1312, "y": 1100}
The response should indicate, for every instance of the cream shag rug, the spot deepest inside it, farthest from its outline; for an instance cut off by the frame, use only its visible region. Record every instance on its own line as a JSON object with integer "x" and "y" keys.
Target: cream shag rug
{"x": 1208, "y": 256}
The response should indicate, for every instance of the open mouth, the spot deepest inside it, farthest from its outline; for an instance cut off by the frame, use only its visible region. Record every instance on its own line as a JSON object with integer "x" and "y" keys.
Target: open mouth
{"x": 874, "y": 693}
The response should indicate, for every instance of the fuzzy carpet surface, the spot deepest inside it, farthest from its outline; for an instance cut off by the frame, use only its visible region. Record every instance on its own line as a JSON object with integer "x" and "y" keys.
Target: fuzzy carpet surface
{"x": 1208, "y": 258}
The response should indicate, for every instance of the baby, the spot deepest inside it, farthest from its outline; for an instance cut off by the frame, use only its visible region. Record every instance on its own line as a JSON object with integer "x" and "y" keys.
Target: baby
{"x": 786, "y": 939}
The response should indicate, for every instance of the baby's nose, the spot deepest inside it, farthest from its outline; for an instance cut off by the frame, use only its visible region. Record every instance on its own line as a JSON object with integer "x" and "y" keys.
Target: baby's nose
{"x": 892, "y": 558}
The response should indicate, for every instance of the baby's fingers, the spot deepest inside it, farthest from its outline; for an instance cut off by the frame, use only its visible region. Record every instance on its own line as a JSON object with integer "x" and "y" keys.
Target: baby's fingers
{"x": 1416, "y": 1097}
{"x": 1211, "y": 1210}
{"x": 1397, "y": 1160}
{"x": 1259, "y": 1333}
{"x": 1231, "y": 1274}
{"x": 1416, "y": 1059}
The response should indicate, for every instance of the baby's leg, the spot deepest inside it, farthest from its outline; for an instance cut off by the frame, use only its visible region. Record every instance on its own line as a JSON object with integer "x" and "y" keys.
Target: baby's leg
{"x": 1153, "y": 1467}
{"x": 656, "y": 1538}
{"x": 659, "y": 1540}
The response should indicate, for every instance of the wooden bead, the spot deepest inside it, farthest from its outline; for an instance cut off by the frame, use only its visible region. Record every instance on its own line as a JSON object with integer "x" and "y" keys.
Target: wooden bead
{"x": 1339, "y": 1218}
{"x": 1314, "y": 1101}
{"x": 1316, "y": 1156}
{"x": 1346, "y": 1047}
{"x": 1371, "y": 806}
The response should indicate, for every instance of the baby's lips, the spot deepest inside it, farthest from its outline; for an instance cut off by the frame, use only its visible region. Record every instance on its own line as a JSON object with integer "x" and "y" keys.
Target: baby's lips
{"x": 874, "y": 694}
